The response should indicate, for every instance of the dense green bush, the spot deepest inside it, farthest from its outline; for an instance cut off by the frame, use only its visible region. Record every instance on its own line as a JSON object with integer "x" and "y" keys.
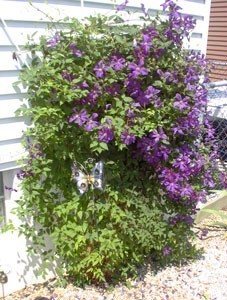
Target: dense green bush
{"x": 131, "y": 97}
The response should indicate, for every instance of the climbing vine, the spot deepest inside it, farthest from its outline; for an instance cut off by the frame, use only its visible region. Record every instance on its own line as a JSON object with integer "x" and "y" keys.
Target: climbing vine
{"x": 129, "y": 98}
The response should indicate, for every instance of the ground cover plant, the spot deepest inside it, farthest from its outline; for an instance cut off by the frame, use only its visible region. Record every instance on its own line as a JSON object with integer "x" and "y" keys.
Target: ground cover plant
{"x": 131, "y": 101}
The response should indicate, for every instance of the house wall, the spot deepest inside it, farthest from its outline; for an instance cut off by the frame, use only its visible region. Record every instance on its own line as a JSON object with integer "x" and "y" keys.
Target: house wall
{"x": 18, "y": 19}
{"x": 217, "y": 39}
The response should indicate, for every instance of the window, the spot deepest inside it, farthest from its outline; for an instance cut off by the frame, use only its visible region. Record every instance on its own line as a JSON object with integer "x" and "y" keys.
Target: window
{"x": 2, "y": 207}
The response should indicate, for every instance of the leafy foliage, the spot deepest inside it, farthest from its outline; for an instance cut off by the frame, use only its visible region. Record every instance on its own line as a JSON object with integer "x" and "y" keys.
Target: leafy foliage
{"x": 132, "y": 97}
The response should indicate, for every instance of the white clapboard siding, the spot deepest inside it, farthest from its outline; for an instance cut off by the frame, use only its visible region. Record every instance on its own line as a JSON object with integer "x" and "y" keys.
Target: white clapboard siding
{"x": 11, "y": 151}
{"x": 19, "y": 19}
{"x": 8, "y": 107}
{"x": 11, "y": 128}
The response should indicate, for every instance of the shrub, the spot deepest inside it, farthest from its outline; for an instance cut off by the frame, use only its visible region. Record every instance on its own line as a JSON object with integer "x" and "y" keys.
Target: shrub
{"x": 131, "y": 97}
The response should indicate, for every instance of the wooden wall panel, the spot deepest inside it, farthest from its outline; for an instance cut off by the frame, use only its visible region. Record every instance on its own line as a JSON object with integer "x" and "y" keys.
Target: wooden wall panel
{"x": 217, "y": 40}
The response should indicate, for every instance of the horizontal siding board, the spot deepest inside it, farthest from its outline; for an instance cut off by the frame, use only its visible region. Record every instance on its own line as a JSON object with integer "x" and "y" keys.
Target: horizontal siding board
{"x": 217, "y": 19}
{"x": 39, "y": 10}
{"x": 218, "y": 5}
{"x": 7, "y": 63}
{"x": 216, "y": 43}
{"x": 8, "y": 107}
{"x": 214, "y": 38}
{"x": 218, "y": 1}
{"x": 219, "y": 28}
{"x": 217, "y": 8}
{"x": 7, "y": 80}
{"x": 216, "y": 47}
{"x": 11, "y": 129}
{"x": 217, "y": 57}
{"x": 221, "y": 14}
{"x": 11, "y": 152}
{"x": 218, "y": 24}
{"x": 20, "y": 96}
{"x": 217, "y": 39}
{"x": 19, "y": 33}
{"x": 217, "y": 33}
{"x": 219, "y": 52}
{"x": 217, "y": 77}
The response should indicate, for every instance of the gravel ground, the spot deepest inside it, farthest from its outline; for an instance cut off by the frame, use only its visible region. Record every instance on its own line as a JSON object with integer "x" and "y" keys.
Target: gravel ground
{"x": 205, "y": 278}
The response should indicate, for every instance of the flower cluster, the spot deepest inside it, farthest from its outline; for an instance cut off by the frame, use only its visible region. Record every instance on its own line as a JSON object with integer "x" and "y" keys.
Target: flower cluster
{"x": 129, "y": 95}
{"x": 151, "y": 89}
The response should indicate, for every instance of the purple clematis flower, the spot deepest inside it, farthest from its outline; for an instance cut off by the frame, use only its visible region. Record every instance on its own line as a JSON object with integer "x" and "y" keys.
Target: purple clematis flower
{"x": 128, "y": 138}
{"x": 77, "y": 52}
{"x": 122, "y": 6}
{"x": 80, "y": 117}
{"x": 92, "y": 123}
{"x": 100, "y": 69}
{"x": 181, "y": 103}
{"x": 166, "y": 251}
{"x": 137, "y": 69}
{"x": 54, "y": 42}
{"x": 185, "y": 190}
{"x": 146, "y": 44}
{"x": 182, "y": 162}
{"x": 106, "y": 134}
{"x": 158, "y": 135}
{"x": 117, "y": 63}
{"x": 145, "y": 12}
{"x": 149, "y": 94}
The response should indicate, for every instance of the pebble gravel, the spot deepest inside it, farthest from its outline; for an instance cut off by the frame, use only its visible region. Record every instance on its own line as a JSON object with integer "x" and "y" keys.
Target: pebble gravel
{"x": 204, "y": 278}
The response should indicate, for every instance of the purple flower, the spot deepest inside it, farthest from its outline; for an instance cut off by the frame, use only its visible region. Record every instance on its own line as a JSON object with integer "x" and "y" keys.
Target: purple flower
{"x": 113, "y": 90}
{"x": 148, "y": 96}
{"x": 188, "y": 220}
{"x": 137, "y": 69}
{"x": 92, "y": 96}
{"x": 117, "y": 63}
{"x": 122, "y": 6}
{"x": 166, "y": 251}
{"x": 208, "y": 180}
{"x": 158, "y": 135}
{"x": 162, "y": 152}
{"x": 144, "y": 10}
{"x": 84, "y": 85}
{"x": 167, "y": 3}
{"x": 181, "y": 103}
{"x": 128, "y": 138}
{"x": 91, "y": 123}
{"x": 182, "y": 162}
{"x": 80, "y": 117}
{"x": 186, "y": 190}
{"x": 72, "y": 46}
{"x": 77, "y": 52}
{"x": 177, "y": 129}
{"x": 170, "y": 179}
{"x": 108, "y": 106}
{"x": 54, "y": 42}
{"x": 203, "y": 234}
{"x": 146, "y": 44}
{"x": 10, "y": 189}
{"x": 134, "y": 88}
{"x": 106, "y": 134}
{"x": 22, "y": 174}
{"x": 100, "y": 69}
{"x": 69, "y": 77}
